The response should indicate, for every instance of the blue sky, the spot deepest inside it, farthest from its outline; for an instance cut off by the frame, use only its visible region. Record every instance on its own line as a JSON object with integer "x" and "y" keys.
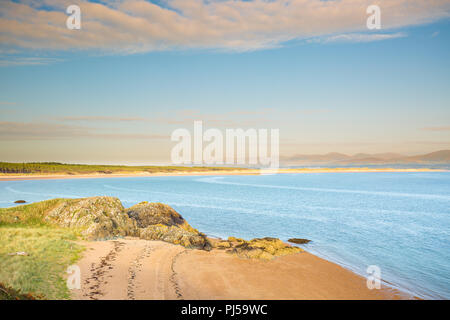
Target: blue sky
{"x": 89, "y": 106}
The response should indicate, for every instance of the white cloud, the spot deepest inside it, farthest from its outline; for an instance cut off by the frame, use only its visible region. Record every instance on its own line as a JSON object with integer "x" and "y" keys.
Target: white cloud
{"x": 132, "y": 26}
{"x": 26, "y": 61}
{"x": 360, "y": 37}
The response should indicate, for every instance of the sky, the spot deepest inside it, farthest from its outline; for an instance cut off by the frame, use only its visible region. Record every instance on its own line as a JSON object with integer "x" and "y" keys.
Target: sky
{"x": 114, "y": 91}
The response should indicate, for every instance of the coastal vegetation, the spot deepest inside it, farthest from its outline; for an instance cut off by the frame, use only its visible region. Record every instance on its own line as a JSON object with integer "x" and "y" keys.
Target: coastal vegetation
{"x": 34, "y": 254}
{"x": 49, "y": 168}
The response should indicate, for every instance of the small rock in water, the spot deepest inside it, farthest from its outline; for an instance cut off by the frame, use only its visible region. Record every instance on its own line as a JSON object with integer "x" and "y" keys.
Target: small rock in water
{"x": 299, "y": 241}
{"x": 20, "y": 201}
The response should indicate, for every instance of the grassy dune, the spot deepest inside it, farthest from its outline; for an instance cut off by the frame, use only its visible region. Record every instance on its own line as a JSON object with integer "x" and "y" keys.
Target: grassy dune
{"x": 49, "y": 251}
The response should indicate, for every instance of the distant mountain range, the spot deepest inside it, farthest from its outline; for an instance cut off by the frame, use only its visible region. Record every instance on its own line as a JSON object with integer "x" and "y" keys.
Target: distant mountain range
{"x": 438, "y": 157}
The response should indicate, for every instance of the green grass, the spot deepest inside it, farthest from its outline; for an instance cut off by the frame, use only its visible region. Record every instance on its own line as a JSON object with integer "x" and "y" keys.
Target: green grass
{"x": 50, "y": 251}
{"x": 61, "y": 168}
{"x": 28, "y": 215}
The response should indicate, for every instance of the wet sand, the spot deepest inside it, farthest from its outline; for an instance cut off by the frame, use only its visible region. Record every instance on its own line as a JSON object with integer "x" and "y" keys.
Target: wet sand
{"x": 139, "y": 269}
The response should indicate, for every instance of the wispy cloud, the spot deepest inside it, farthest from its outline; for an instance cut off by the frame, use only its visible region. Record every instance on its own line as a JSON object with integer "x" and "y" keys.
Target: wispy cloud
{"x": 102, "y": 118}
{"x": 186, "y": 117}
{"x": 360, "y": 37}
{"x": 10, "y": 130}
{"x": 26, "y": 61}
{"x": 237, "y": 118}
{"x": 8, "y": 109}
{"x": 131, "y": 26}
{"x": 444, "y": 128}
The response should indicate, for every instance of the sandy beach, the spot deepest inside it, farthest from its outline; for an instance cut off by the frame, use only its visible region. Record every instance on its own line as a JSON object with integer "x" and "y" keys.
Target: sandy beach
{"x": 140, "y": 269}
{"x": 14, "y": 177}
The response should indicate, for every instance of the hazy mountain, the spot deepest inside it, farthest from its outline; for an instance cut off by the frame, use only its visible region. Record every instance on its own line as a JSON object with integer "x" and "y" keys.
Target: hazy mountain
{"x": 442, "y": 156}
{"x": 333, "y": 156}
{"x": 388, "y": 155}
{"x": 438, "y": 156}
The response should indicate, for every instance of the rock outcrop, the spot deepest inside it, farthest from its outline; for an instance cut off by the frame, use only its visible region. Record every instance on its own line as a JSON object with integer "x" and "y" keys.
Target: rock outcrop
{"x": 175, "y": 235}
{"x": 100, "y": 218}
{"x": 147, "y": 214}
{"x": 96, "y": 218}
{"x": 259, "y": 248}
{"x": 157, "y": 221}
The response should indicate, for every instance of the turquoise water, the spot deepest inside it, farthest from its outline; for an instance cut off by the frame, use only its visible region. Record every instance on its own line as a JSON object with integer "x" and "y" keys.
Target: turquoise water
{"x": 397, "y": 221}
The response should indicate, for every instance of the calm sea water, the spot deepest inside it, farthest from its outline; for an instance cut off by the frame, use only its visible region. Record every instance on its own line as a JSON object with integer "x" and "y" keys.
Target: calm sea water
{"x": 397, "y": 221}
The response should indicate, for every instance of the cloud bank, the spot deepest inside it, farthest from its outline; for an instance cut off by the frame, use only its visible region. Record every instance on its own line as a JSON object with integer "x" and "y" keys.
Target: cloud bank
{"x": 135, "y": 26}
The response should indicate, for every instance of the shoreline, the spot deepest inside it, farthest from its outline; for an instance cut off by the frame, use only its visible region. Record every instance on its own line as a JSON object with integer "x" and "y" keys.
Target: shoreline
{"x": 404, "y": 292}
{"x": 165, "y": 272}
{"x": 20, "y": 177}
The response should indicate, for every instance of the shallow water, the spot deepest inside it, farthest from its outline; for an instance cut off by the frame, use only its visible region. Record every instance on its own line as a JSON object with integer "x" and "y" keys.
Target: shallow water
{"x": 397, "y": 221}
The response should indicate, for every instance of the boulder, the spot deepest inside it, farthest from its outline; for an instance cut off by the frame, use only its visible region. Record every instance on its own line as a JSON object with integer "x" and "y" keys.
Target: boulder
{"x": 234, "y": 239}
{"x": 157, "y": 221}
{"x": 220, "y": 244}
{"x": 174, "y": 235}
{"x": 263, "y": 248}
{"x": 147, "y": 214}
{"x": 96, "y": 218}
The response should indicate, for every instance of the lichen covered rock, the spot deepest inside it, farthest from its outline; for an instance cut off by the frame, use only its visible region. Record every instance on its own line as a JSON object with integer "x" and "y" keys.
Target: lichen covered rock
{"x": 220, "y": 244}
{"x": 263, "y": 248}
{"x": 174, "y": 235}
{"x": 234, "y": 239}
{"x": 96, "y": 218}
{"x": 157, "y": 221}
{"x": 147, "y": 214}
